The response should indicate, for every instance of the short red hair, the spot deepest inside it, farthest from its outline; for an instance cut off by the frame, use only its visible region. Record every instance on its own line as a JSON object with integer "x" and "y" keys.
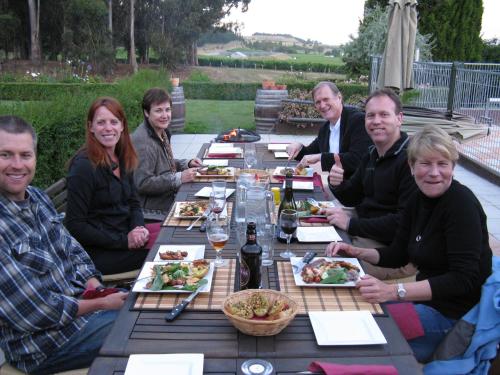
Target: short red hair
{"x": 124, "y": 148}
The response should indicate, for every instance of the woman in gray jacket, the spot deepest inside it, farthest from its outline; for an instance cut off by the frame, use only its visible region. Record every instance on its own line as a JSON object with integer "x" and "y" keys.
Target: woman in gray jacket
{"x": 159, "y": 175}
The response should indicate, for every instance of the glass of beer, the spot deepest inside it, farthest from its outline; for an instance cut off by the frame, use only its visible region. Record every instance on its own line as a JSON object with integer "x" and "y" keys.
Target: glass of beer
{"x": 217, "y": 235}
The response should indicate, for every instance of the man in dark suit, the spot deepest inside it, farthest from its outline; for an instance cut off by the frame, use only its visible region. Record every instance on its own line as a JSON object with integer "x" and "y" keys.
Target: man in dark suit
{"x": 343, "y": 133}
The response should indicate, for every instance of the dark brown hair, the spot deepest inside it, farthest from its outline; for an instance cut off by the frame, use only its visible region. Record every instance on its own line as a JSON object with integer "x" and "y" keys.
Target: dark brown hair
{"x": 156, "y": 95}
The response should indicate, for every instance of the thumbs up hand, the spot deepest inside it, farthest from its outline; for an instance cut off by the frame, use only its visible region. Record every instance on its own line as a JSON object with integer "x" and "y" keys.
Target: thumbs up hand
{"x": 336, "y": 175}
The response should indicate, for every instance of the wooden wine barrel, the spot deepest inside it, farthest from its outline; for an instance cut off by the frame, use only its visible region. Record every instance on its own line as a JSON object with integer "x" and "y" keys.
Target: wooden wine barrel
{"x": 178, "y": 110}
{"x": 267, "y": 107}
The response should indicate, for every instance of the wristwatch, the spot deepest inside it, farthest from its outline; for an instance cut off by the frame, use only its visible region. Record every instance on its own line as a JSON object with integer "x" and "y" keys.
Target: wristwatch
{"x": 401, "y": 291}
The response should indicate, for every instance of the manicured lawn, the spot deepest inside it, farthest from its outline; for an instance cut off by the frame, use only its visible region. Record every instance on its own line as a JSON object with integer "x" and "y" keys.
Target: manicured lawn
{"x": 214, "y": 116}
{"x": 314, "y": 58}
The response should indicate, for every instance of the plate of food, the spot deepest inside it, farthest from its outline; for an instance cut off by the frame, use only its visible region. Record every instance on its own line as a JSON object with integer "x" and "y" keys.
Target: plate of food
{"x": 215, "y": 171}
{"x": 180, "y": 252}
{"x": 298, "y": 171}
{"x": 326, "y": 272}
{"x": 306, "y": 209}
{"x": 190, "y": 210}
{"x": 175, "y": 277}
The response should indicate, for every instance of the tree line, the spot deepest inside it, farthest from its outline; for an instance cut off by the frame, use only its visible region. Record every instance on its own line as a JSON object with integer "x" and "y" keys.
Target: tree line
{"x": 91, "y": 30}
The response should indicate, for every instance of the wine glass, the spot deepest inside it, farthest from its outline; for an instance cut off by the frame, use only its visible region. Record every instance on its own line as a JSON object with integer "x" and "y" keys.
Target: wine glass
{"x": 217, "y": 202}
{"x": 217, "y": 235}
{"x": 250, "y": 157}
{"x": 288, "y": 224}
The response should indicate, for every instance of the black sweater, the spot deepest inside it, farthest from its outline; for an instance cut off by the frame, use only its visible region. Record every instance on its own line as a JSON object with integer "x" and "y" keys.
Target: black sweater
{"x": 447, "y": 238}
{"x": 102, "y": 208}
{"x": 354, "y": 142}
{"x": 379, "y": 189}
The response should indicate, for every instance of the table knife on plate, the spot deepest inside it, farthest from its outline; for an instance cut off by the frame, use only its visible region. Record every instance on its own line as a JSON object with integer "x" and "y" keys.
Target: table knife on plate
{"x": 177, "y": 309}
{"x": 297, "y": 267}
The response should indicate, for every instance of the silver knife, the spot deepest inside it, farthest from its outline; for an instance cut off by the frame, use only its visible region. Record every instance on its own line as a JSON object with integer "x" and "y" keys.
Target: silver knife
{"x": 177, "y": 309}
{"x": 204, "y": 215}
{"x": 297, "y": 267}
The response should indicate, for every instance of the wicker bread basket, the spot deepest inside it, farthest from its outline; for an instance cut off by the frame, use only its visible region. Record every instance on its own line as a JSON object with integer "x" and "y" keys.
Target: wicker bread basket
{"x": 259, "y": 327}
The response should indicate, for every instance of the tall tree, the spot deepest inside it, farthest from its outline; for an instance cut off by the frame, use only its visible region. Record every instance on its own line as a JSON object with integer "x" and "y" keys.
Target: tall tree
{"x": 34, "y": 13}
{"x": 455, "y": 27}
{"x": 132, "y": 56}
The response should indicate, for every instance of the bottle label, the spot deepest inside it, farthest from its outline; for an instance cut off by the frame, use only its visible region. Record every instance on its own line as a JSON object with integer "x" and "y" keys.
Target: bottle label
{"x": 244, "y": 274}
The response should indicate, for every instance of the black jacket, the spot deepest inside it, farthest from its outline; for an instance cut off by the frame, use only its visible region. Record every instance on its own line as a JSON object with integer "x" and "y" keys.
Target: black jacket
{"x": 447, "y": 238}
{"x": 102, "y": 208}
{"x": 354, "y": 142}
{"x": 379, "y": 189}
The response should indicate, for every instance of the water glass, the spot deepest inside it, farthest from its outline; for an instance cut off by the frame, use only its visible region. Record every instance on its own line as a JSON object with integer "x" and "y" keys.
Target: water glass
{"x": 266, "y": 239}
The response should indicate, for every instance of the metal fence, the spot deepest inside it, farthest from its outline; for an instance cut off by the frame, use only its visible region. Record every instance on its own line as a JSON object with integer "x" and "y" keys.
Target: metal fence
{"x": 472, "y": 89}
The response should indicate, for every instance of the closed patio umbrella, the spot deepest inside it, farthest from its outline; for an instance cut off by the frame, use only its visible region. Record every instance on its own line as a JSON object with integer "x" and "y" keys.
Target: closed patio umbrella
{"x": 396, "y": 70}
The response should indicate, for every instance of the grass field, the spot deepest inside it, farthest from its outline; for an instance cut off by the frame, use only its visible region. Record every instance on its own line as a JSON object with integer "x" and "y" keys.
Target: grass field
{"x": 214, "y": 116}
{"x": 313, "y": 58}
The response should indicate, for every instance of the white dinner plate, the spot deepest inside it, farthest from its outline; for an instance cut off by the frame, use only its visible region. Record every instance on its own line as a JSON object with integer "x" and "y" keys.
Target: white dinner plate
{"x": 280, "y": 155}
{"x": 194, "y": 251}
{"x": 298, "y": 278}
{"x": 301, "y": 185}
{"x": 147, "y": 270}
{"x": 216, "y": 162}
{"x": 317, "y": 234}
{"x": 346, "y": 328}
{"x": 278, "y": 171}
{"x": 225, "y": 150}
{"x": 277, "y": 146}
{"x": 207, "y": 190}
{"x": 178, "y": 205}
{"x": 161, "y": 364}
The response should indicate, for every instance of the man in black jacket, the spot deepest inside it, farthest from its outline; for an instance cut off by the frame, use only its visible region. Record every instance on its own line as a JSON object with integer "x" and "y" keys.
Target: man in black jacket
{"x": 343, "y": 133}
{"x": 380, "y": 186}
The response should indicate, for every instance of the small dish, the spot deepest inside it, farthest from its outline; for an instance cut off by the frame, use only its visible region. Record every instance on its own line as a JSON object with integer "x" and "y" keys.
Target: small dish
{"x": 277, "y": 146}
{"x": 301, "y": 185}
{"x": 317, "y": 234}
{"x": 160, "y": 364}
{"x": 280, "y": 155}
{"x": 207, "y": 190}
{"x": 216, "y": 162}
{"x": 346, "y": 328}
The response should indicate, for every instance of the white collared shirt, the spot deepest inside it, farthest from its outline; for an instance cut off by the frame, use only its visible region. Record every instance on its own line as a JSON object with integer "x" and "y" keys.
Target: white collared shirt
{"x": 335, "y": 137}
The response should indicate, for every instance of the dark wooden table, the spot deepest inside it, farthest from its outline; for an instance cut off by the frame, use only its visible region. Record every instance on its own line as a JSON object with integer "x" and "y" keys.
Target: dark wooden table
{"x": 225, "y": 348}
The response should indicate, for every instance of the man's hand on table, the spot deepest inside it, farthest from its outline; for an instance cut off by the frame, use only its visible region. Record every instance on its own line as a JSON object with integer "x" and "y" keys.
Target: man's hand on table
{"x": 293, "y": 150}
{"x": 308, "y": 160}
{"x": 337, "y": 216}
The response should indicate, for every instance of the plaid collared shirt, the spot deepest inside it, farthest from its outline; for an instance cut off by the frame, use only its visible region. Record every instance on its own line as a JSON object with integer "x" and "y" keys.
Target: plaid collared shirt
{"x": 43, "y": 270}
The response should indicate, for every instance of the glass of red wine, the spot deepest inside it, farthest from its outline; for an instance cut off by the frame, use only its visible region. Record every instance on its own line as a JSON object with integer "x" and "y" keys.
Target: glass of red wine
{"x": 288, "y": 224}
{"x": 217, "y": 202}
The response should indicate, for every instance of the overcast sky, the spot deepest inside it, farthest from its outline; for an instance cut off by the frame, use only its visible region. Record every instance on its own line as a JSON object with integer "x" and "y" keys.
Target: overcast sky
{"x": 327, "y": 21}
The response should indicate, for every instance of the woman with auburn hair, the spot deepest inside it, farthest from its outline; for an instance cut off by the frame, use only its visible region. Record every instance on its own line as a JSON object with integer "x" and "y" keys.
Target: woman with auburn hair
{"x": 103, "y": 212}
{"x": 443, "y": 232}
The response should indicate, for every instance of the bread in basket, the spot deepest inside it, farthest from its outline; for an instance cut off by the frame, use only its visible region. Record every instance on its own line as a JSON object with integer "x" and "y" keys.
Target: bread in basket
{"x": 265, "y": 325}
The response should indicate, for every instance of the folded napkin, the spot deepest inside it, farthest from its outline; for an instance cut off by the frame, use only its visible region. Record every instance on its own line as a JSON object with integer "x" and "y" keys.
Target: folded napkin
{"x": 337, "y": 369}
{"x": 215, "y": 155}
{"x": 313, "y": 220}
{"x": 407, "y": 319}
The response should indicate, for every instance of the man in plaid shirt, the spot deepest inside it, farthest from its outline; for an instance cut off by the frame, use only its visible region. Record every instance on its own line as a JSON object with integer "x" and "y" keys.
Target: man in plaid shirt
{"x": 45, "y": 326}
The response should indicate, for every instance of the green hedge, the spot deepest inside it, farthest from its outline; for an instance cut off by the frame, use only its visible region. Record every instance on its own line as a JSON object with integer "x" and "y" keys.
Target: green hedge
{"x": 25, "y": 91}
{"x": 247, "y": 91}
{"x": 271, "y": 64}
{"x": 60, "y": 122}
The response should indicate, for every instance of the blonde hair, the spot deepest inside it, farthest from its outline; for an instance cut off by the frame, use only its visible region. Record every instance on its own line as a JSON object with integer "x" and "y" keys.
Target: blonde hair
{"x": 431, "y": 139}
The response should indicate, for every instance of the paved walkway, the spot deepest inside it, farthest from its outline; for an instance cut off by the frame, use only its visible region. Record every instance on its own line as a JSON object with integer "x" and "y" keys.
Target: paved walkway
{"x": 187, "y": 145}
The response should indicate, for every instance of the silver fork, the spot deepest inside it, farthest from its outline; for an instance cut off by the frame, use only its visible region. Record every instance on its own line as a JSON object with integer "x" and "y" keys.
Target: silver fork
{"x": 205, "y": 214}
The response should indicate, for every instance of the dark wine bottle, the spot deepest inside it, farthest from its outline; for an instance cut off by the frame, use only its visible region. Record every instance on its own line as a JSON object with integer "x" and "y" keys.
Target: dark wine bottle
{"x": 250, "y": 260}
{"x": 287, "y": 203}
